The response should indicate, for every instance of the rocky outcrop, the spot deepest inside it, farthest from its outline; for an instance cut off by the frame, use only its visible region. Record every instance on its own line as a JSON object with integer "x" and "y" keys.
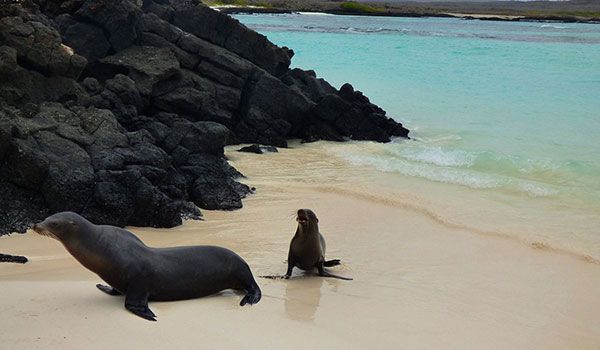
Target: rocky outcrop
{"x": 258, "y": 149}
{"x": 119, "y": 110}
{"x": 13, "y": 258}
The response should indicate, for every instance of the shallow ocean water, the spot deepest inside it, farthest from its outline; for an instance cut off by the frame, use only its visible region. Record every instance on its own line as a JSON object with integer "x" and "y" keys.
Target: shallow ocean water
{"x": 505, "y": 111}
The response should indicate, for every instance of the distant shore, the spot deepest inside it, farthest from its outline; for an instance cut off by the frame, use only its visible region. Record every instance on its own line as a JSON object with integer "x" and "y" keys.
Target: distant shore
{"x": 410, "y": 12}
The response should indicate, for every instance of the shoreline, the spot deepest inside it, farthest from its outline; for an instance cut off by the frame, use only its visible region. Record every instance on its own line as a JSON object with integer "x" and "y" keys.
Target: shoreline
{"x": 233, "y": 10}
{"x": 408, "y": 201}
{"x": 417, "y": 283}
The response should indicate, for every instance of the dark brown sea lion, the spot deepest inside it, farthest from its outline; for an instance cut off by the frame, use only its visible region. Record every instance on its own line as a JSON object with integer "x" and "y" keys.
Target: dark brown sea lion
{"x": 144, "y": 273}
{"x": 307, "y": 249}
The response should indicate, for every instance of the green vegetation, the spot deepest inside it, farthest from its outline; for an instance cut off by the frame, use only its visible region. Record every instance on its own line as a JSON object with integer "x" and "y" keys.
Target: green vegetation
{"x": 227, "y": 2}
{"x": 238, "y": 3}
{"x": 357, "y": 7}
{"x": 263, "y": 4}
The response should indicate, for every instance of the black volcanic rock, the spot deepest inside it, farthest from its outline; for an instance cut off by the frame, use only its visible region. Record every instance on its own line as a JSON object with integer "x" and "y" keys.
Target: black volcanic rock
{"x": 119, "y": 110}
{"x": 13, "y": 258}
{"x": 40, "y": 46}
{"x": 146, "y": 65}
{"x": 228, "y": 33}
{"x": 86, "y": 39}
{"x": 258, "y": 149}
{"x": 118, "y": 18}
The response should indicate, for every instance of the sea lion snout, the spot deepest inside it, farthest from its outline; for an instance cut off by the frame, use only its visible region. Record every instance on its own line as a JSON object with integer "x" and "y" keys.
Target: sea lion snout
{"x": 306, "y": 217}
{"x": 59, "y": 226}
{"x": 41, "y": 229}
{"x": 302, "y": 218}
{"x": 41, "y": 226}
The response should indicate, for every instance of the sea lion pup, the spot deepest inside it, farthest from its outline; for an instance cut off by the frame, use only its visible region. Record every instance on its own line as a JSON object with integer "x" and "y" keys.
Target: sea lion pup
{"x": 144, "y": 273}
{"x": 307, "y": 249}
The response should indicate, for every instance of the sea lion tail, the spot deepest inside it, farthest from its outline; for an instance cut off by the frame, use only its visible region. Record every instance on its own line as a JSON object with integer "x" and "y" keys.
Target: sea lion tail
{"x": 253, "y": 294}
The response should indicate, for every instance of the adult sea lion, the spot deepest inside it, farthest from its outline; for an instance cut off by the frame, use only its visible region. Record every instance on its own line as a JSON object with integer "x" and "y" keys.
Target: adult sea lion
{"x": 307, "y": 249}
{"x": 144, "y": 273}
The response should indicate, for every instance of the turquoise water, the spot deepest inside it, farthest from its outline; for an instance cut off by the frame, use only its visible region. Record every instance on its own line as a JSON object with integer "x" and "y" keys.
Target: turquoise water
{"x": 490, "y": 104}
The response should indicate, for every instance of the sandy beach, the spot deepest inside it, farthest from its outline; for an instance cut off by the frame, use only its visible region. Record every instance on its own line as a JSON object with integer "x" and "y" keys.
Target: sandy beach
{"x": 418, "y": 283}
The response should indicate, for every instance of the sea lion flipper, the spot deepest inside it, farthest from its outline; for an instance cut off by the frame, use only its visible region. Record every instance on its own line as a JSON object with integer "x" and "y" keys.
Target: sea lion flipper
{"x": 330, "y": 263}
{"x": 325, "y": 273}
{"x": 108, "y": 289}
{"x": 288, "y": 274}
{"x": 253, "y": 295}
{"x": 137, "y": 303}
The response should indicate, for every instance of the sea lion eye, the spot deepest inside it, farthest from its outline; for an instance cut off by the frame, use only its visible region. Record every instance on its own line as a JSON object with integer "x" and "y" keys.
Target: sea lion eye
{"x": 54, "y": 224}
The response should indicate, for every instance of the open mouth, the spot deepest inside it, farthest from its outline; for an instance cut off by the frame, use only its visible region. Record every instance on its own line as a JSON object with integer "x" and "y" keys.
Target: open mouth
{"x": 302, "y": 220}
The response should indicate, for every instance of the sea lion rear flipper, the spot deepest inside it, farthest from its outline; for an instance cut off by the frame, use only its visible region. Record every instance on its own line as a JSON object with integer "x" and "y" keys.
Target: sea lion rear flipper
{"x": 325, "y": 273}
{"x": 330, "y": 263}
{"x": 137, "y": 302}
{"x": 108, "y": 289}
{"x": 253, "y": 295}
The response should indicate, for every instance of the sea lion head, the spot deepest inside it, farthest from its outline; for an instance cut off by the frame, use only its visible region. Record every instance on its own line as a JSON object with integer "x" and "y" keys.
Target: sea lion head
{"x": 63, "y": 226}
{"x": 306, "y": 218}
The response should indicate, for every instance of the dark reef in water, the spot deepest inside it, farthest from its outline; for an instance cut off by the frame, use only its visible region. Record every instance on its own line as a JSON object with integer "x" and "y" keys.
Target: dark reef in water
{"x": 119, "y": 110}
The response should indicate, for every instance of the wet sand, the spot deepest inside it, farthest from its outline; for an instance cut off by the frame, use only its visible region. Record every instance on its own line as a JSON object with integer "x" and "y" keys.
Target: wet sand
{"x": 418, "y": 283}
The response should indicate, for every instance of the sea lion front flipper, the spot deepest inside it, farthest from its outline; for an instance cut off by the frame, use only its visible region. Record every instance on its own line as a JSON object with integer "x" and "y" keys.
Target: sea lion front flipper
{"x": 325, "y": 273}
{"x": 291, "y": 265}
{"x": 108, "y": 289}
{"x": 137, "y": 302}
{"x": 330, "y": 263}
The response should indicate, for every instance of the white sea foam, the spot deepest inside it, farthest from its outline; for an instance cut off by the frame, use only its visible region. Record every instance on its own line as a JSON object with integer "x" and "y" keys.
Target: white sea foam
{"x": 436, "y": 155}
{"x": 536, "y": 190}
{"x": 314, "y": 14}
{"x": 552, "y": 26}
{"x": 477, "y": 170}
{"x": 430, "y": 172}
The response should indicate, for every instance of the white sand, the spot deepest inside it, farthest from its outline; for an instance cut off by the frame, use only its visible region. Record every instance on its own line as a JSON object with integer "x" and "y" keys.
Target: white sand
{"x": 418, "y": 284}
